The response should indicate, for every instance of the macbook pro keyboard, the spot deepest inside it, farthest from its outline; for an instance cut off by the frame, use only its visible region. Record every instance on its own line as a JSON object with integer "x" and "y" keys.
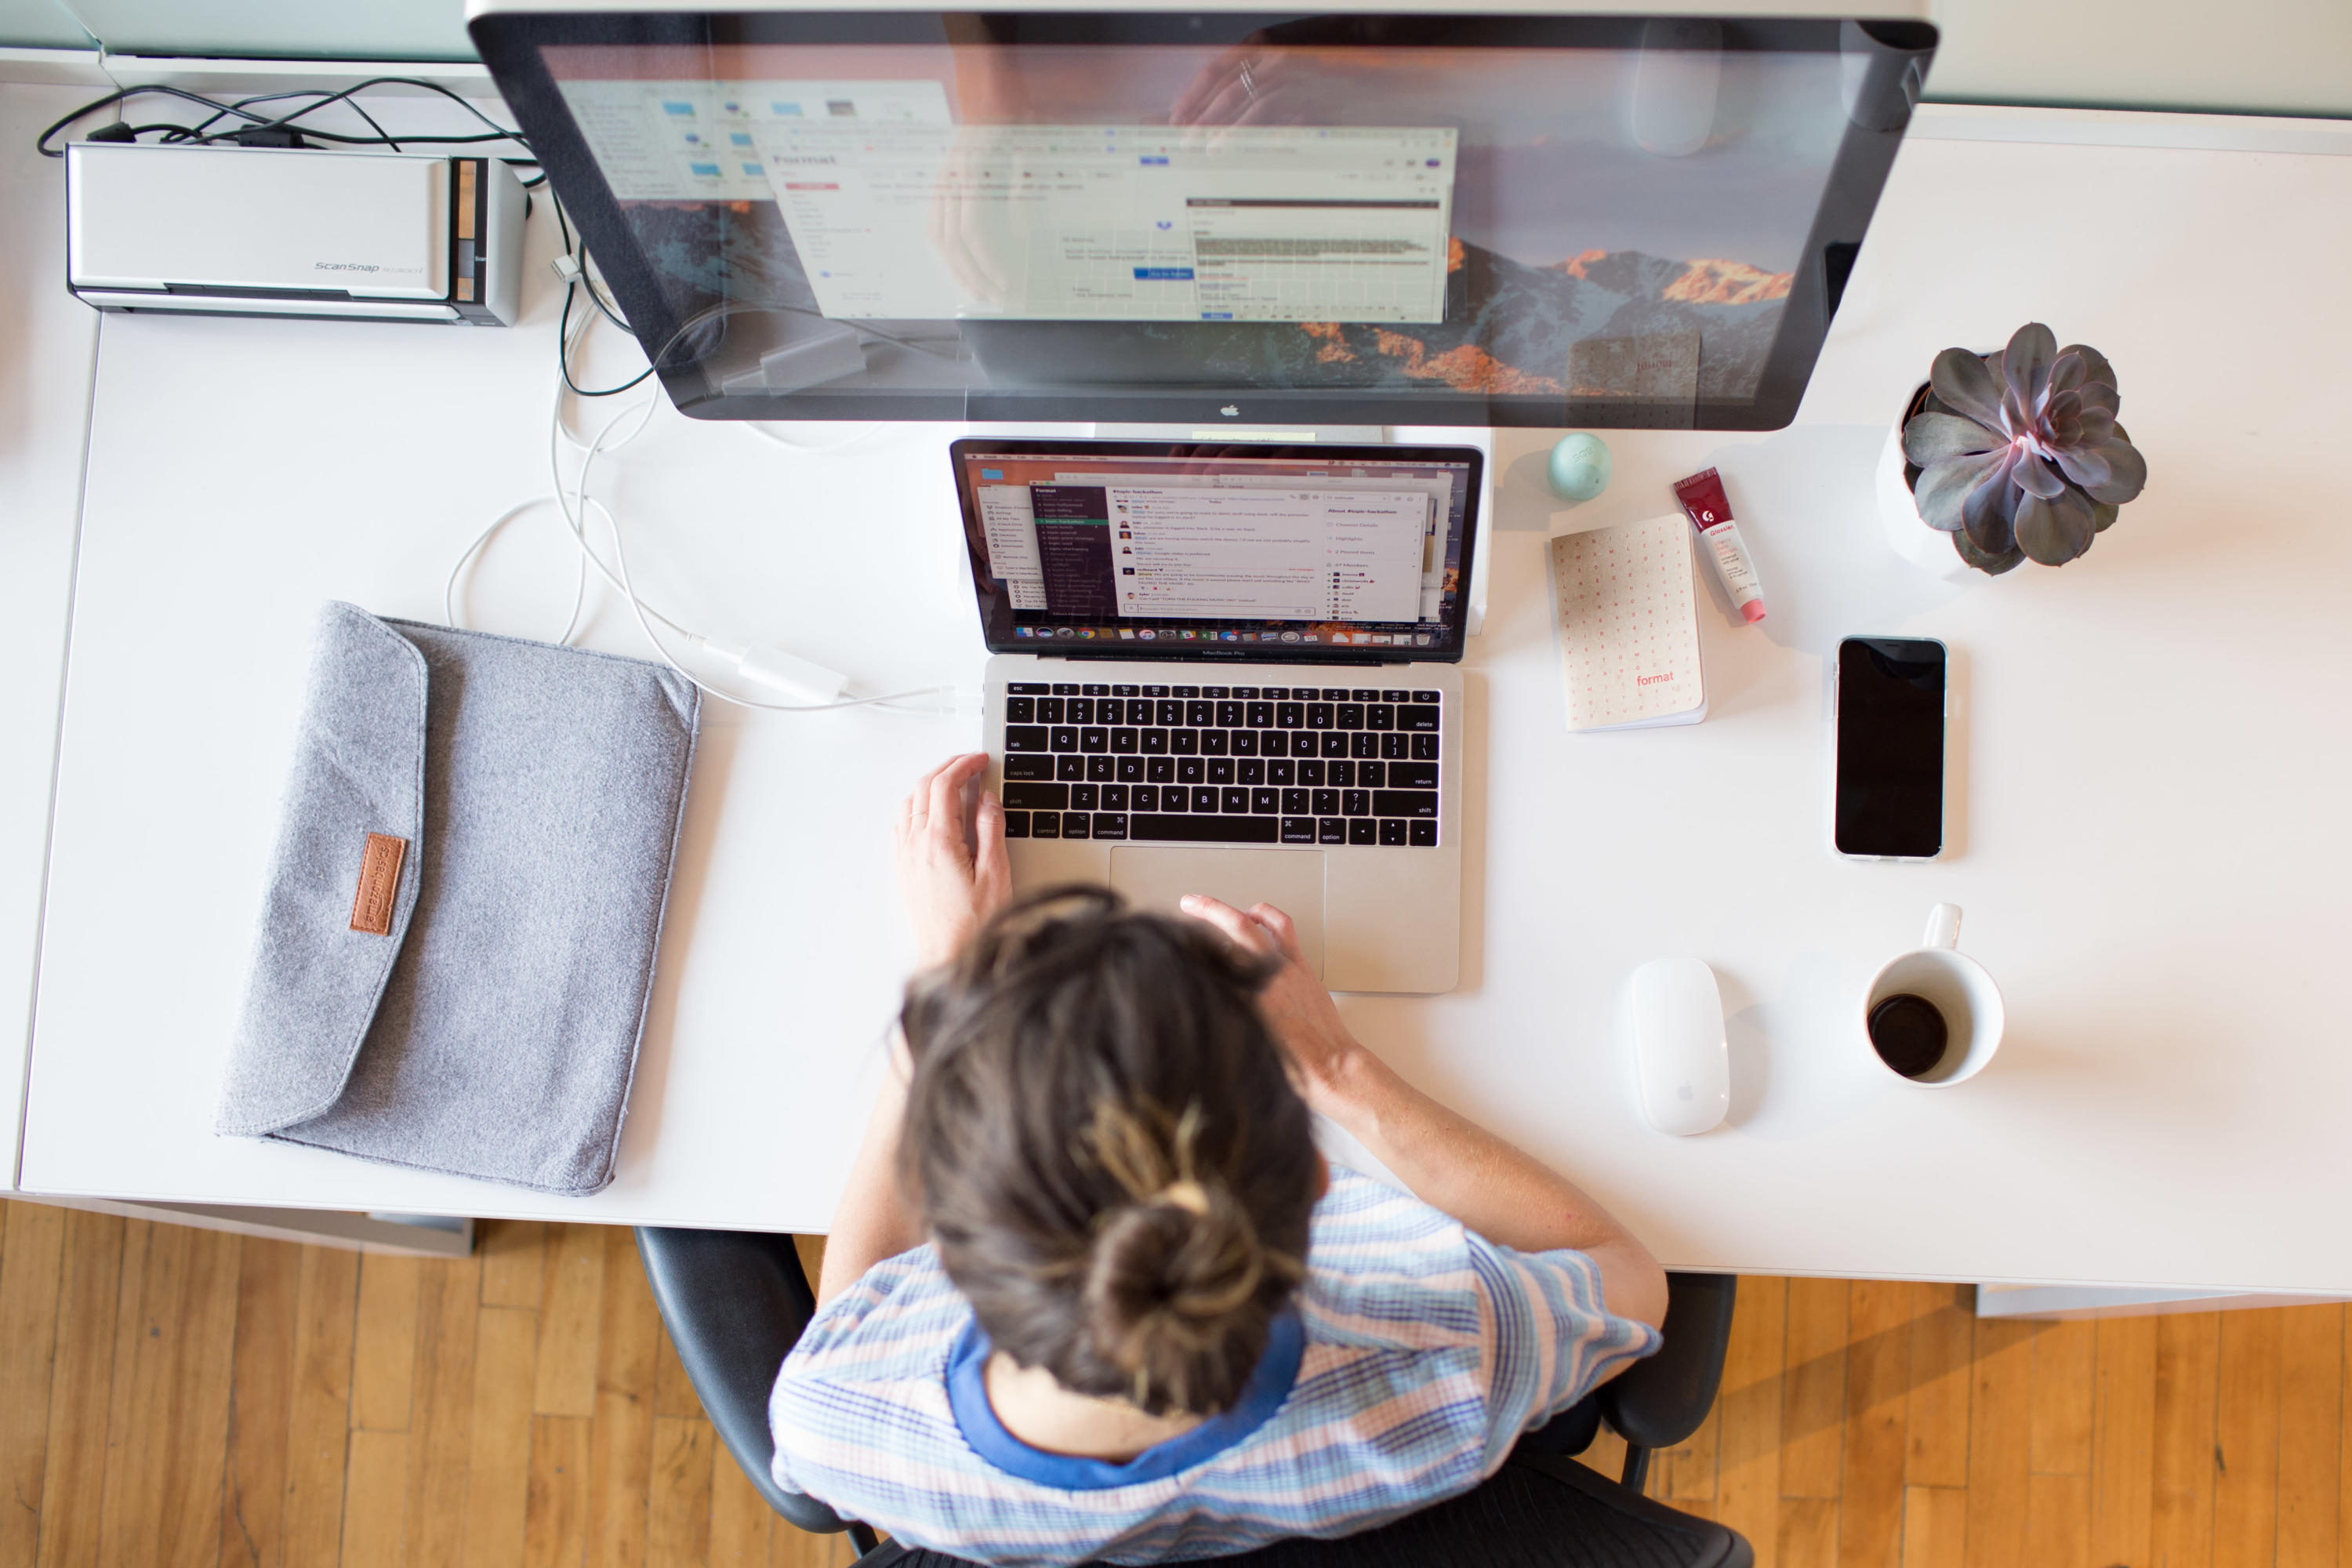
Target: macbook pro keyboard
{"x": 1222, "y": 764}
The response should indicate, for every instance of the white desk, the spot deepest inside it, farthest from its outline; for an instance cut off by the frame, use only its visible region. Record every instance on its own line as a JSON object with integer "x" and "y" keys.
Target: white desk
{"x": 2147, "y": 747}
{"x": 48, "y": 340}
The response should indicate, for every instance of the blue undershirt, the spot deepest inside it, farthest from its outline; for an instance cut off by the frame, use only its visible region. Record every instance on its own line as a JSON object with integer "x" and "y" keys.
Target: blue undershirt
{"x": 1260, "y": 1397}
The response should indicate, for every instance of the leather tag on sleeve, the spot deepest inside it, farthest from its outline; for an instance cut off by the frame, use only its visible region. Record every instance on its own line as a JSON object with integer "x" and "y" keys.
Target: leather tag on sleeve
{"x": 379, "y": 883}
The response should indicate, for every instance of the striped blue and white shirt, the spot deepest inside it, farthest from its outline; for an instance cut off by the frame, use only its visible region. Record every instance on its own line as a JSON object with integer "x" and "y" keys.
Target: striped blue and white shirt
{"x": 1416, "y": 1354}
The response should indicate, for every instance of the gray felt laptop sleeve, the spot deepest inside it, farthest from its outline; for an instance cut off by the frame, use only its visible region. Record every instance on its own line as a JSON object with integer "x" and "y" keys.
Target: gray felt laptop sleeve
{"x": 457, "y": 942}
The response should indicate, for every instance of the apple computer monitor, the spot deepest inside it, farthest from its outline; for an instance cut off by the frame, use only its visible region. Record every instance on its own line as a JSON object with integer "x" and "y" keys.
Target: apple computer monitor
{"x": 1181, "y": 217}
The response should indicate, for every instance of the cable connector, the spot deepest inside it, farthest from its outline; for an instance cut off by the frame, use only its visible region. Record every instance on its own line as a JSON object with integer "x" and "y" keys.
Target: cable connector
{"x": 565, "y": 268}
{"x": 772, "y": 668}
{"x": 959, "y": 702}
{"x": 966, "y": 702}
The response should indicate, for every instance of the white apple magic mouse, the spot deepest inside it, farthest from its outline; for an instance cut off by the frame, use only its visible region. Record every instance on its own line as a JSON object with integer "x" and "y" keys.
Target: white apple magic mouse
{"x": 1682, "y": 1065}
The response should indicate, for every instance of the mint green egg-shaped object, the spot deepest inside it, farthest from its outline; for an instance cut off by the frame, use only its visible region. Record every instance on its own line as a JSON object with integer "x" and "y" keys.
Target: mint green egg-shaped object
{"x": 1579, "y": 468}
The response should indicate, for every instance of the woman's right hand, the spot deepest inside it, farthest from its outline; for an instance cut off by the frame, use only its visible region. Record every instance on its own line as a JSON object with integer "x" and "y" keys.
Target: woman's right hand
{"x": 1300, "y": 1011}
{"x": 952, "y": 877}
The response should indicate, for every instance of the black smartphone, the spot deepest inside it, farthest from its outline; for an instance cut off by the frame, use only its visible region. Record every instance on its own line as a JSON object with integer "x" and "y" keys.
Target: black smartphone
{"x": 1890, "y": 747}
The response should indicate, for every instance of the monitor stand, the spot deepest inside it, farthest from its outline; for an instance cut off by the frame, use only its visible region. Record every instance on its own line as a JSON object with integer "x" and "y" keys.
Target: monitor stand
{"x": 1272, "y": 434}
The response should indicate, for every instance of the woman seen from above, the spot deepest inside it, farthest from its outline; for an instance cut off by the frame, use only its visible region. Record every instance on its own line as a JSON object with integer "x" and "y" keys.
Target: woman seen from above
{"x": 1093, "y": 1294}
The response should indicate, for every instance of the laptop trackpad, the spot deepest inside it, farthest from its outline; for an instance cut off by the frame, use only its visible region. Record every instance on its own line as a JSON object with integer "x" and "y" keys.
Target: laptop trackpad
{"x": 1289, "y": 879}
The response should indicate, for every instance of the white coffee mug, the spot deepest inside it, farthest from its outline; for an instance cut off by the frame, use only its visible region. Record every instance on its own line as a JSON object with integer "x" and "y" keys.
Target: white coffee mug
{"x": 1956, "y": 986}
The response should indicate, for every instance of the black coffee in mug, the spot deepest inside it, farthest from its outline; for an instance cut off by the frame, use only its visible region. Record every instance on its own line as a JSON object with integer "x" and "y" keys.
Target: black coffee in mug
{"x": 1910, "y": 1035}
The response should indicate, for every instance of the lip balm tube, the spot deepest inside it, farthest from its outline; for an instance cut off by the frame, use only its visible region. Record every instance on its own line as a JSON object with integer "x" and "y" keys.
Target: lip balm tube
{"x": 1710, "y": 511}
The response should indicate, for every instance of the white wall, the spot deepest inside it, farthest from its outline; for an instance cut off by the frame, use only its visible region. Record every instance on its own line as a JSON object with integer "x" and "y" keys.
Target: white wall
{"x": 318, "y": 29}
{"x": 40, "y": 25}
{"x": 2249, "y": 57}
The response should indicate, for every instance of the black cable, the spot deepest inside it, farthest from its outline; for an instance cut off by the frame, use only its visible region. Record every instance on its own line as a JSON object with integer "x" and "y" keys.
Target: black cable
{"x": 320, "y": 93}
{"x": 364, "y": 114}
{"x": 501, "y": 132}
{"x": 197, "y": 131}
{"x": 136, "y": 131}
{"x": 563, "y": 323}
{"x": 320, "y": 98}
{"x": 578, "y": 250}
{"x": 41, "y": 143}
{"x": 562, "y": 331}
{"x": 596, "y": 295}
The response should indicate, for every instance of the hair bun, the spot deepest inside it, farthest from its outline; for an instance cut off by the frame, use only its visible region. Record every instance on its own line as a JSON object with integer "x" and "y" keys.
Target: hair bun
{"x": 1168, "y": 1283}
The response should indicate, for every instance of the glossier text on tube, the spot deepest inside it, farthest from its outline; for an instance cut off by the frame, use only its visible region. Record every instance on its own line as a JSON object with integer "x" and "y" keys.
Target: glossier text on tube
{"x": 1710, "y": 512}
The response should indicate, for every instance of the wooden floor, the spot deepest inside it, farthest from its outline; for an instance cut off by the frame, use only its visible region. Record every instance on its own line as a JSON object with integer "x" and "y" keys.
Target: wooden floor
{"x": 176, "y": 1396}
{"x": 1866, "y": 1422}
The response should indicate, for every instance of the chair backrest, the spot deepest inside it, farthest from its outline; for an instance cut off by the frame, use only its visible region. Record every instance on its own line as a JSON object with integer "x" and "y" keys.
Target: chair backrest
{"x": 735, "y": 1302}
{"x": 1537, "y": 1511}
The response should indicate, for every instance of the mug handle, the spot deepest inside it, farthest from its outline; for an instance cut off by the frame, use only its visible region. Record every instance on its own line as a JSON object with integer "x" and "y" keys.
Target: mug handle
{"x": 1943, "y": 927}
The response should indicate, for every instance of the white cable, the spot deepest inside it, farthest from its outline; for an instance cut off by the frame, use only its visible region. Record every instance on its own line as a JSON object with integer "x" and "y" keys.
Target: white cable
{"x": 573, "y": 506}
{"x": 558, "y": 432}
{"x": 892, "y": 699}
{"x": 638, "y": 608}
{"x": 580, "y": 566}
{"x": 588, "y": 268}
{"x": 579, "y": 574}
{"x": 565, "y": 503}
{"x": 588, "y": 461}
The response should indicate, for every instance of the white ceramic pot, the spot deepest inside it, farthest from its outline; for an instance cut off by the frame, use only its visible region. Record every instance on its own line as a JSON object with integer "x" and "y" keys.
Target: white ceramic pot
{"x": 1929, "y": 549}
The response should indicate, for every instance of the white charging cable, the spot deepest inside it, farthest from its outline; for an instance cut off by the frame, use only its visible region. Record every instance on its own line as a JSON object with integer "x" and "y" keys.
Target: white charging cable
{"x": 815, "y": 688}
{"x": 578, "y": 577}
{"x": 818, "y": 689}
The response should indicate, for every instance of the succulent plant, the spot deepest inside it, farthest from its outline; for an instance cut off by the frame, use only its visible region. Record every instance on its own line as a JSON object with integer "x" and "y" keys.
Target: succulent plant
{"x": 2020, "y": 455}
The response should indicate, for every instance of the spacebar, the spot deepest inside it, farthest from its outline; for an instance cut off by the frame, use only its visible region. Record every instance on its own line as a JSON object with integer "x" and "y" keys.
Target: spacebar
{"x": 1204, "y": 830}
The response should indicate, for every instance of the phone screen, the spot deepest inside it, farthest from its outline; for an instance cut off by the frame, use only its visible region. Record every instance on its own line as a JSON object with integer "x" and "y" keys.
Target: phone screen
{"x": 1890, "y": 747}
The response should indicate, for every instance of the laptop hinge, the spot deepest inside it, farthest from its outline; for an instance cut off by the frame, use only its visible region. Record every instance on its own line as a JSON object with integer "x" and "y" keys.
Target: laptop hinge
{"x": 1206, "y": 658}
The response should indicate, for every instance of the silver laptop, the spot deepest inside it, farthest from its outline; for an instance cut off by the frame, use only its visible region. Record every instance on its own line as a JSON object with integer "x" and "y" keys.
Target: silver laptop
{"x": 1234, "y": 671}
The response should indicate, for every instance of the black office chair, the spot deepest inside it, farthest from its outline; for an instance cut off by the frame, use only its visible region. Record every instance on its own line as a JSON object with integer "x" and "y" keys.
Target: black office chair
{"x": 735, "y": 1302}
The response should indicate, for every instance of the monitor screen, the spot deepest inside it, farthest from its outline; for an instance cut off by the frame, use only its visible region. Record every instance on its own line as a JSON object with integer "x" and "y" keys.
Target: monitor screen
{"x": 1149, "y": 550}
{"x": 1365, "y": 219}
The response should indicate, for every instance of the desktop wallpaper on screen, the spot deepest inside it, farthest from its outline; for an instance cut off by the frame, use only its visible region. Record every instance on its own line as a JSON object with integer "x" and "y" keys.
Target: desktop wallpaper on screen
{"x": 1487, "y": 221}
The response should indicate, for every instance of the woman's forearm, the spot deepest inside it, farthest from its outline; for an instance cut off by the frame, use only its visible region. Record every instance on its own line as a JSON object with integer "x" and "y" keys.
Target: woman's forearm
{"x": 1499, "y": 1191}
{"x": 953, "y": 875}
{"x": 873, "y": 1221}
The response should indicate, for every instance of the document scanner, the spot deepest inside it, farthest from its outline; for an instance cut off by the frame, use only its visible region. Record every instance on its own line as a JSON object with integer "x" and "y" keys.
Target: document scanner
{"x": 268, "y": 231}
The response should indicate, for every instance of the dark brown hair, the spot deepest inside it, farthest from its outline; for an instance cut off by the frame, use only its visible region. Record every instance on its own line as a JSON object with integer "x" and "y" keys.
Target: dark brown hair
{"x": 1106, "y": 1147}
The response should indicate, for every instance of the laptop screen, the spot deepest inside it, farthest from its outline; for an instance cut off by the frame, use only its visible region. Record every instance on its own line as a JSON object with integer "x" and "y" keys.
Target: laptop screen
{"x": 1141, "y": 550}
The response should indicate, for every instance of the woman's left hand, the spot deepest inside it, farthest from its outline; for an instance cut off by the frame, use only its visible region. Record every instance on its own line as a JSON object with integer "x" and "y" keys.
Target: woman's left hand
{"x": 952, "y": 871}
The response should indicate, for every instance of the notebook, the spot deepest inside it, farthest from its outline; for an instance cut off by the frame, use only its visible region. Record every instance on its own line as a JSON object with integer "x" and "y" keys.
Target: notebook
{"x": 1625, "y": 617}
